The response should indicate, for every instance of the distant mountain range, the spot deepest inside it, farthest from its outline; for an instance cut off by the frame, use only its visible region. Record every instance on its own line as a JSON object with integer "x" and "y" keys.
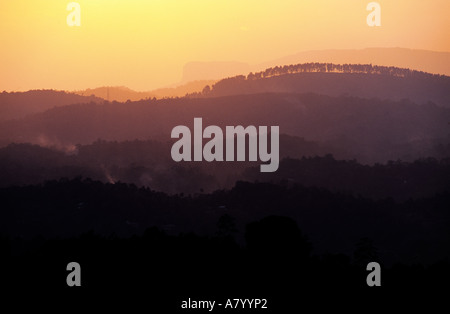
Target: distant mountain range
{"x": 421, "y": 60}
{"x": 122, "y": 93}
{"x": 17, "y": 105}
{"x": 357, "y": 111}
{"x": 361, "y": 80}
{"x": 196, "y": 75}
{"x": 369, "y": 130}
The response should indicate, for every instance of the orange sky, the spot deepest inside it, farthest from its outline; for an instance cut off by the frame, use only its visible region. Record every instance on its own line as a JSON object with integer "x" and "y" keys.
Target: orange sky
{"x": 143, "y": 44}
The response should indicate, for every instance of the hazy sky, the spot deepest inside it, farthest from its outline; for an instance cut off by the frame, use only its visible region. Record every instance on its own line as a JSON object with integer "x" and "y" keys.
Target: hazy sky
{"x": 144, "y": 44}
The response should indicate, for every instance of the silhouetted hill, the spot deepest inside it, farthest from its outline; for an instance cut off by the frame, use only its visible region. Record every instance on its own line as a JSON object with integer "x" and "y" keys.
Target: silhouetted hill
{"x": 396, "y": 179}
{"x": 117, "y": 93}
{"x": 183, "y": 89}
{"x": 144, "y": 163}
{"x": 415, "y": 59}
{"x": 369, "y": 130}
{"x": 415, "y": 231}
{"x": 122, "y": 94}
{"x": 16, "y": 105}
{"x": 420, "y": 60}
{"x": 148, "y": 163}
{"x": 360, "y": 80}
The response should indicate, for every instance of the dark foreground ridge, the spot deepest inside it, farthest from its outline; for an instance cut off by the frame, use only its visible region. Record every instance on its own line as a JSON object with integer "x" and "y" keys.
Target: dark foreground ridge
{"x": 257, "y": 240}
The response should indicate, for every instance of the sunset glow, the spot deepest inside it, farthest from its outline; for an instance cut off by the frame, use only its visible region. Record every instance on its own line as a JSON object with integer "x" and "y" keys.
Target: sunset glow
{"x": 145, "y": 44}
